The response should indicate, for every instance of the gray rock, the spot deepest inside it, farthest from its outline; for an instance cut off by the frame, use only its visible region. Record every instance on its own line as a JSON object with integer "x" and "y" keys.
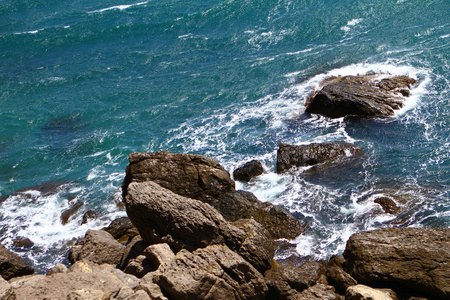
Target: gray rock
{"x": 415, "y": 258}
{"x": 248, "y": 171}
{"x": 193, "y": 176}
{"x": 12, "y": 265}
{"x": 214, "y": 272}
{"x": 244, "y": 205}
{"x": 98, "y": 246}
{"x": 366, "y": 95}
{"x": 193, "y": 224}
{"x": 289, "y": 156}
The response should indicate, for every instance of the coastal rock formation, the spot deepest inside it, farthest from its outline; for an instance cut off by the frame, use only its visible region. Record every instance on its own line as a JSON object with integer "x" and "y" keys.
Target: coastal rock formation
{"x": 366, "y": 95}
{"x": 162, "y": 216}
{"x": 214, "y": 272}
{"x": 289, "y": 156}
{"x": 337, "y": 277}
{"x": 122, "y": 230}
{"x": 415, "y": 258}
{"x": 12, "y": 265}
{"x": 363, "y": 292}
{"x": 99, "y": 247}
{"x": 243, "y": 205}
{"x": 248, "y": 171}
{"x": 189, "y": 175}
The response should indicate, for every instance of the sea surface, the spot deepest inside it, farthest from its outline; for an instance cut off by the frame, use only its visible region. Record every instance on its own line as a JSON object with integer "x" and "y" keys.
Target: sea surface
{"x": 85, "y": 83}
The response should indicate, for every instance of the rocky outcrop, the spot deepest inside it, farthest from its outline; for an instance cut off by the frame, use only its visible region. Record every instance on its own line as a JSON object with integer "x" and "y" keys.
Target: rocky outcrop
{"x": 363, "y": 292}
{"x": 162, "y": 216}
{"x": 214, "y": 272}
{"x": 122, "y": 230}
{"x": 289, "y": 156}
{"x": 243, "y": 205}
{"x": 12, "y": 265}
{"x": 367, "y": 95}
{"x": 189, "y": 175}
{"x": 248, "y": 171}
{"x": 415, "y": 258}
{"x": 99, "y": 247}
{"x": 388, "y": 205}
{"x": 337, "y": 277}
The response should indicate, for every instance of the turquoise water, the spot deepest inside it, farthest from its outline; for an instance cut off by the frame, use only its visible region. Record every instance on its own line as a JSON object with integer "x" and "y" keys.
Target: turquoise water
{"x": 85, "y": 83}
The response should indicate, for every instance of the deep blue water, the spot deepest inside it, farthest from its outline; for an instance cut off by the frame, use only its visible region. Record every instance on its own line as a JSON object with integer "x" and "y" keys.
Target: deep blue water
{"x": 85, "y": 83}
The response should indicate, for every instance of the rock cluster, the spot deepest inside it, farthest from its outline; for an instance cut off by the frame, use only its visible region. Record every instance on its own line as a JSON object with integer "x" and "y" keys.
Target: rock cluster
{"x": 176, "y": 247}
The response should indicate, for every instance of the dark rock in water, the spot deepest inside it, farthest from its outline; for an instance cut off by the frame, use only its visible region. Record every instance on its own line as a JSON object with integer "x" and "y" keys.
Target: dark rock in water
{"x": 162, "y": 216}
{"x": 289, "y": 156}
{"x": 258, "y": 248}
{"x": 414, "y": 258}
{"x": 248, "y": 171}
{"x": 22, "y": 242}
{"x": 12, "y": 265}
{"x": 367, "y": 95}
{"x": 285, "y": 282}
{"x": 214, "y": 272}
{"x": 89, "y": 215}
{"x": 243, "y": 205}
{"x": 189, "y": 175}
{"x": 72, "y": 210}
{"x": 388, "y": 205}
{"x": 122, "y": 230}
{"x": 99, "y": 247}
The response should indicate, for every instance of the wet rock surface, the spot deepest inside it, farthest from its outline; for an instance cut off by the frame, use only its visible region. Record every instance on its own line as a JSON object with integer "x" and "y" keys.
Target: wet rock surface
{"x": 12, "y": 265}
{"x": 248, "y": 171}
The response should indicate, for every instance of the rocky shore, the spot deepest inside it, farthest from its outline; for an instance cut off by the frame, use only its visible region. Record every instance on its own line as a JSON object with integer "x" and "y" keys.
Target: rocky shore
{"x": 190, "y": 235}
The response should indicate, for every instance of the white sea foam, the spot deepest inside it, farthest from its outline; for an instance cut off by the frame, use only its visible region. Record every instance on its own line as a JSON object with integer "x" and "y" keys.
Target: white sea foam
{"x": 351, "y": 24}
{"x": 118, "y": 7}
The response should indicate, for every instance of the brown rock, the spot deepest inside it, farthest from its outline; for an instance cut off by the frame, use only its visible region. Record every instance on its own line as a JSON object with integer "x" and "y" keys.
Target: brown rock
{"x": 193, "y": 224}
{"x": 71, "y": 211}
{"x": 159, "y": 254}
{"x": 340, "y": 279}
{"x": 366, "y": 95}
{"x": 190, "y": 175}
{"x": 415, "y": 258}
{"x": 248, "y": 171}
{"x": 317, "y": 292}
{"x": 98, "y": 246}
{"x": 214, "y": 272}
{"x": 289, "y": 156}
{"x": 22, "y": 242}
{"x": 132, "y": 250}
{"x": 122, "y": 230}
{"x": 139, "y": 266}
{"x": 6, "y": 290}
{"x": 12, "y": 265}
{"x": 243, "y": 205}
{"x": 89, "y": 215}
{"x": 388, "y": 205}
{"x": 363, "y": 292}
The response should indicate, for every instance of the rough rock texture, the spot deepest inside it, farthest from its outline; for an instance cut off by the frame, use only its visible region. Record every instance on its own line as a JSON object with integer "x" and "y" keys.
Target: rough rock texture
{"x": 367, "y": 95}
{"x": 243, "y": 205}
{"x": 6, "y": 290}
{"x": 363, "y": 292}
{"x": 258, "y": 247}
{"x": 388, "y": 205}
{"x": 99, "y": 247}
{"x": 81, "y": 276}
{"x": 139, "y": 266}
{"x": 59, "y": 268}
{"x": 416, "y": 258}
{"x": 214, "y": 272}
{"x": 162, "y": 216}
{"x": 340, "y": 279}
{"x": 286, "y": 281}
{"x": 319, "y": 291}
{"x": 248, "y": 171}
{"x": 289, "y": 156}
{"x": 132, "y": 250}
{"x": 122, "y": 229}
{"x": 193, "y": 176}
{"x": 159, "y": 254}
{"x": 12, "y": 265}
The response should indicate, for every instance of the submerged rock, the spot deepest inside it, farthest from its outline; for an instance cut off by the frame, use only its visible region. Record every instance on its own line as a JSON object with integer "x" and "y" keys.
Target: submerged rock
{"x": 248, "y": 171}
{"x": 289, "y": 156}
{"x": 415, "y": 258}
{"x": 189, "y": 175}
{"x": 366, "y": 95}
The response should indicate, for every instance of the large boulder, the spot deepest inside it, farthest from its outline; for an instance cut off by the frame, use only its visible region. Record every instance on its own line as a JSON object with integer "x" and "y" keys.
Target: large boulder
{"x": 99, "y": 247}
{"x": 12, "y": 265}
{"x": 367, "y": 95}
{"x": 415, "y": 258}
{"x": 289, "y": 156}
{"x": 243, "y": 205}
{"x": 162, "y": 216}
{"x": 248, "y": 171}
{"x": 214, "y": 272}
{"x": 190, "y": 175}
{"x": 84, "y": 279}
{"x": 122, "y": 230}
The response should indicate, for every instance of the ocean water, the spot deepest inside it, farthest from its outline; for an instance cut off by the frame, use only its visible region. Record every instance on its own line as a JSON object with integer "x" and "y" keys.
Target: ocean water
{"x": 85, "y": 83}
